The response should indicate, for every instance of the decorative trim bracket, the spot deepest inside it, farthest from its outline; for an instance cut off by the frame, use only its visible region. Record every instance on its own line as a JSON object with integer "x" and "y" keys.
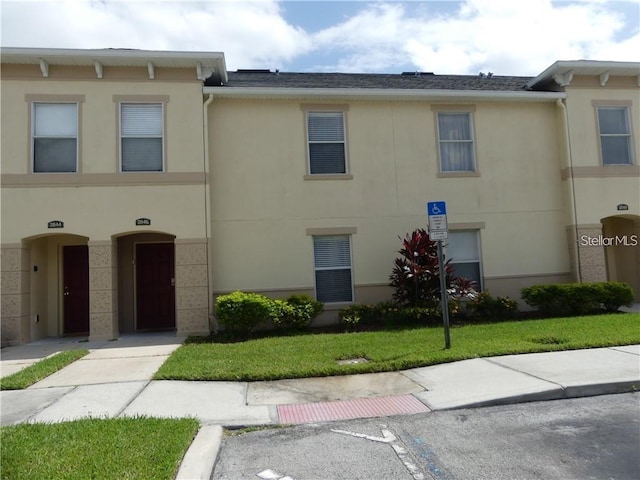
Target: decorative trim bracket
{"x": 99, "y": 69}
{"x": 151, "y": 70}
{"x": 563, "y": 79}
{"x": 44, "y": 68}
{"x": 604, "y": 78}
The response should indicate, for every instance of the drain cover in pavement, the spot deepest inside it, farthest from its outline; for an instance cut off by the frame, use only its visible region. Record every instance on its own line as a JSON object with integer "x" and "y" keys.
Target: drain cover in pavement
{"x": 347, "y": 409}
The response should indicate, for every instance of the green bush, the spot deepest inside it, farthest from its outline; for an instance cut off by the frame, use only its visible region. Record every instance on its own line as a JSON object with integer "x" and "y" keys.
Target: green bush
{"x": 291, "y": 315}
{"x": 486, "y": 307}
{"x": 302, "y": 299}
{"x": 240, "y": 313}
{"x": 613, "y": 295}
{"x": 578, "y": 298}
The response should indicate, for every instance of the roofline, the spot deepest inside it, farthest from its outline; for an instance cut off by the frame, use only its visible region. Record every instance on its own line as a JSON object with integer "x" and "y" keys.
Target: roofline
{"x": 596, "y": 65}
{"x": 380, "y": 94}
{"x": 115, "y": 57}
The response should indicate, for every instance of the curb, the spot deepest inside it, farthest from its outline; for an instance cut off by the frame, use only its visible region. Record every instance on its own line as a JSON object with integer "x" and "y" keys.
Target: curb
{"x": 201, "y": 456}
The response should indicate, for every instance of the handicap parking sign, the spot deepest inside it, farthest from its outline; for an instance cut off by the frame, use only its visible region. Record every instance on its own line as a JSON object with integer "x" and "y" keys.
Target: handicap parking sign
{"x": 436, "y": 208}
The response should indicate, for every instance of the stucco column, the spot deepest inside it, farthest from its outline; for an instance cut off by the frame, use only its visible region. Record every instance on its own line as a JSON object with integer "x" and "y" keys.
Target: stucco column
{"x": 103, "y": 293}
{"x": 15, "y": 294}
{"x": 192, "y": 288}
{"x": 591, "y": 254}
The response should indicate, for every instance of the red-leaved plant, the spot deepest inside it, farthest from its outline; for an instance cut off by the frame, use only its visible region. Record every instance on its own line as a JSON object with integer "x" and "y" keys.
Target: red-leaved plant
{"x": 416, "y": 276}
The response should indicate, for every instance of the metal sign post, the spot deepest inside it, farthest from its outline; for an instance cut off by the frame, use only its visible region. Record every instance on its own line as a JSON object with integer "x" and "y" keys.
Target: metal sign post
{"x": 438, "y": 230}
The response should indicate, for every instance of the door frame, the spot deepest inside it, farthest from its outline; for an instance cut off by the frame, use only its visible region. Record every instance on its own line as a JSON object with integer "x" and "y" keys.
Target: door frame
{"x": 135, "y": 279}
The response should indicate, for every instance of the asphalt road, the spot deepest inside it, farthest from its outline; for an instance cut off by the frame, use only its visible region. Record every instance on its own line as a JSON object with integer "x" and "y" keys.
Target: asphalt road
{"x": 587, "y": 438}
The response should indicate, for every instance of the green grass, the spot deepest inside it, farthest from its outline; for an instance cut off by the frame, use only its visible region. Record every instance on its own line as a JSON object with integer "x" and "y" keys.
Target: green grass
{"x": 315, "y": 355}
{"x": 122, "y": 449}
{"x": 36, "y": 372}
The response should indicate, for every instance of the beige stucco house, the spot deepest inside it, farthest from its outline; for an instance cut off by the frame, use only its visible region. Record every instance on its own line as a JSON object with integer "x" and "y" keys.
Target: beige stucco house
{"x": 136, "y": 186}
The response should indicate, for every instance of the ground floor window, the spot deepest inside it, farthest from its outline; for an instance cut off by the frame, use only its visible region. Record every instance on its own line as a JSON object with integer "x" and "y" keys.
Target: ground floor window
{"x": 463, "y": 249}
{"x": 332, "y": 264}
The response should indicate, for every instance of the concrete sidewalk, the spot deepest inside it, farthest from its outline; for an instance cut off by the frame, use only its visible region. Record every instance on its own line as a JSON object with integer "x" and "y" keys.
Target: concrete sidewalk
{"x": 114, "y": 380}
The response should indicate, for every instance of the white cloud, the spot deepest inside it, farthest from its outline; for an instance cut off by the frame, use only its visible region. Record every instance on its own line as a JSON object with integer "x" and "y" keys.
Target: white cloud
{"x": 250, "y": 33}
{"x": 509, "y": 37}
{"x": 504, "y": 36}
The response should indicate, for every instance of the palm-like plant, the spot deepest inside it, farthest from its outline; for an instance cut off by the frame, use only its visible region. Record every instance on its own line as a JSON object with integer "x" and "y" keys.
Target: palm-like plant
{"x": 416, "y": 276}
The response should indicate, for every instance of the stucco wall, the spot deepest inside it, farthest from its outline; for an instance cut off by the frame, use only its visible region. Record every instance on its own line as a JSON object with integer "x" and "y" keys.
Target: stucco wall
{"x": 262, "y": 206}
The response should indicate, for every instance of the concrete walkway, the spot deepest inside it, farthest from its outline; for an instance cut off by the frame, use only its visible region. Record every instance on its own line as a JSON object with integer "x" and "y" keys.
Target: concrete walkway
{"x": 114, "y": 380}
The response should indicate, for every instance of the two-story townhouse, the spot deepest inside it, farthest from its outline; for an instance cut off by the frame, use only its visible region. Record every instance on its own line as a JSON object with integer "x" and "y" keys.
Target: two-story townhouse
{"x": 600, "y": 172}
{"x": 104, "y": 192}
{"x": 137, "y": 186}
{"x": 315, "y": 176}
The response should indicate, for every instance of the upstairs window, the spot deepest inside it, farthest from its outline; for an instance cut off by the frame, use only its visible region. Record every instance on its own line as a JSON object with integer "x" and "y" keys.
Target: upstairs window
{"x": 55, "y": 137}
{"x": 332, "y": 263}
{"x": 141, "y": 137}
{"x": 326, "y": 143}
{"x": 615, "y": 135}
{"x": 455, "y": 138}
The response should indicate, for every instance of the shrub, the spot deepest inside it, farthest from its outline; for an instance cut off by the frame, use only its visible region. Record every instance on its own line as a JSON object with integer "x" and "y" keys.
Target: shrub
{"x": 301, "y": 299}
{"x": 416, "y": 276}
{"x": 577, "y": 298}
{"x": 240, "y": 313}
{"x": 614, "y": 295}
{"x": 486, "y": 307}
{"x": 291, "y": 315}
{"x": 364, "y": 313}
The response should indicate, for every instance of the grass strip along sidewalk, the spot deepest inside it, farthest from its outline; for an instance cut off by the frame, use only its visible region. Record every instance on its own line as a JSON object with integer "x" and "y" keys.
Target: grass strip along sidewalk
{"x": 119, "y": 449}
{"x": 36, "y": 372}
{"x": 315, "y": 355}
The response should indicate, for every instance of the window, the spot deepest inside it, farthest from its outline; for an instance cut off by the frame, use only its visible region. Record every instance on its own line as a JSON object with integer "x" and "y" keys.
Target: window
{"x": 326, "y": 142}
{"x": 455, "y": 137}
{"x": 55, "y": 137}
{"x": 141, "y": 137}
{"x": 615, "y": 135}
{"x": 463, "y": 248}
{"x": 332, "y": 260}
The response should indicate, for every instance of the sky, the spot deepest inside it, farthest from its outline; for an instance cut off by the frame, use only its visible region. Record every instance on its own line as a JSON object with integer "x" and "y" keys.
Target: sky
{"x": 506, "y": 37}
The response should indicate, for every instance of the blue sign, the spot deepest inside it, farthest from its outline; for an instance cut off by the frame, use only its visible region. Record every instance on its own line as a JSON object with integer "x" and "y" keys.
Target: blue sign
{"x": 436, "y": 208}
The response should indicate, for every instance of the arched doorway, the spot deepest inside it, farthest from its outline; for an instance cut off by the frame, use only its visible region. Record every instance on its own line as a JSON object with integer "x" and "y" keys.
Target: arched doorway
{"x": 621, "y": 242}
{"x": 146, "y": 282}
{"x": 59, "y": 285}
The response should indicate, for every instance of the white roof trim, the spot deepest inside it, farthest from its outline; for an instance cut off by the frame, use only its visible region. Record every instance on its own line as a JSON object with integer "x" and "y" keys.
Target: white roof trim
{"x": 587, "y": 67}
{"x": 381, "y": 94}
{"x": 209, "y": 61}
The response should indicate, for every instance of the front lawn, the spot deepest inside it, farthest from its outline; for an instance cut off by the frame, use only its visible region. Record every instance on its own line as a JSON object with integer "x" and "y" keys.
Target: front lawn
{"x": 316, "y": 355}
{"x": 42, "y": 369}
{"x": 119, "y": 449}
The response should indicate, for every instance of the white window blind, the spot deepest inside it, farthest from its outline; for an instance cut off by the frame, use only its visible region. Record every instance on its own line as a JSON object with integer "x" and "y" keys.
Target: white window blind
{"x": 325, "y": 133}
{"x": 615, "y": 135}
{"x": 456, "y": 142}
{"x": 332, "y": 257}
{"x": 55, "y": 137}
{"x": 141, "y": 131}
{"x": 463, "y": 249}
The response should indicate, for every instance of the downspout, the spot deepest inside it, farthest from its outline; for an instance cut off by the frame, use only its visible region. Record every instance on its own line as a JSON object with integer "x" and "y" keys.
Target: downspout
{"x": 572, "y": 186}
{"x": 207, "y": 201}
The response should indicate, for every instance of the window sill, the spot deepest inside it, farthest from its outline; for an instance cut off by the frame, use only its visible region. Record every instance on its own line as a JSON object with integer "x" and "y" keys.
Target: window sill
{"x": 336, "y": 176}
{"x": 457, "y": 174}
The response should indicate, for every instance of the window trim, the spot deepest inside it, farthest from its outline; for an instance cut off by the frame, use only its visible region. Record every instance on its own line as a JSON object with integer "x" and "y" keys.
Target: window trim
{"x": 32, "y": 100}
{"x": 326, "y": 108}
{"x": 163, "y": 100}
{"x": 627, "y": 105}
{"x": 456, "y": 109}
{"x": 345, "y": 232}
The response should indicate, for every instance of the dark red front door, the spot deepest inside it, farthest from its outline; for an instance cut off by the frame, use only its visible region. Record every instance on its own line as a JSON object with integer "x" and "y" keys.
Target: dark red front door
{"x": 75, "y": 294}
{"x": 155, "y": 297}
